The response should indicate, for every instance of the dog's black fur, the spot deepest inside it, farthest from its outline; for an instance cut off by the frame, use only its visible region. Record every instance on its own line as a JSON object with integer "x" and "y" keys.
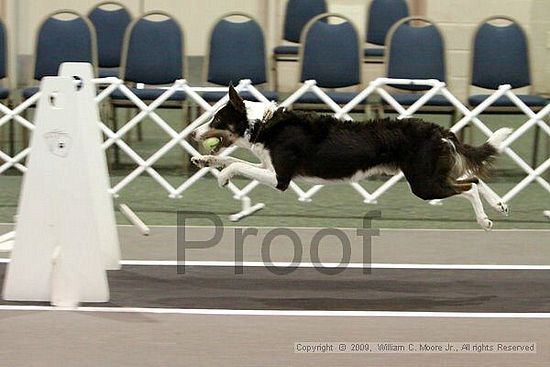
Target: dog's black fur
{"x": 313, "y": 145}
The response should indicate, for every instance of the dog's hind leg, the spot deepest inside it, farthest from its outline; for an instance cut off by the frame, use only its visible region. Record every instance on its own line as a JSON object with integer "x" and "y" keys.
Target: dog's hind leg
{"x": 471, "y": 193}
{"x": 441, "y": 188}
{"x": 492, "y": 198}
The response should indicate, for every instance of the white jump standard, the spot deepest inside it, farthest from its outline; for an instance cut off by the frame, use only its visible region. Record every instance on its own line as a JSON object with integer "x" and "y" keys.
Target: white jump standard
{"x": 65, "y": 234}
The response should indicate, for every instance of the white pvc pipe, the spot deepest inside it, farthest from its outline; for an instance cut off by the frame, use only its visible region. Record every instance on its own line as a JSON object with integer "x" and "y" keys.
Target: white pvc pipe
{"x": 247, "y": 209}
{"x": 7, "y": 246}
{"x": 526, "y": 181}
{"x": 134, "y": 219}
{"x": 7, "y": 236}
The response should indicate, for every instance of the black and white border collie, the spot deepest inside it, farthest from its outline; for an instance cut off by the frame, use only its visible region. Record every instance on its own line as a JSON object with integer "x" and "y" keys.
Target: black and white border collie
{"x": 323, "y": 149}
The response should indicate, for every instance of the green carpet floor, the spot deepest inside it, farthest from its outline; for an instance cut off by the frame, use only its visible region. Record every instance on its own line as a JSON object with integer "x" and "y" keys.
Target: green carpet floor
{"x": 336, "y": 205}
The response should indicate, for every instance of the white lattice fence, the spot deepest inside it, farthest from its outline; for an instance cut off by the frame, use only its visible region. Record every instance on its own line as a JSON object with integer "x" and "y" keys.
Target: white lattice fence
{"x": 179, "y": 138}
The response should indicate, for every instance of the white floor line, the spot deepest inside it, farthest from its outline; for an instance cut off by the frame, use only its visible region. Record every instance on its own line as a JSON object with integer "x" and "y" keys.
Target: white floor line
{"x": 352, "y": 229}
{"x": 346, "y": 266}
{"x": 283, "y": 313}
{"x": 332, "y": 265}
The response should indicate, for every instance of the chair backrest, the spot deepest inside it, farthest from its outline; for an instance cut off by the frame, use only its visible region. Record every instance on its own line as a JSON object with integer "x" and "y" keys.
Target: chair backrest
{"x": 63, "y": 36}
{"x": 330, "y": 53}
{"x": 297, "y": 14}
{"x": 154, "y": 50}
{"x": 416, "y": 50}
{"x": 110, "y": 20}
{"x": 500, "y": 55}
{"x": 3, "y": 50}
{"x": 381, "y": 15}
{"x": 236, "y": 50}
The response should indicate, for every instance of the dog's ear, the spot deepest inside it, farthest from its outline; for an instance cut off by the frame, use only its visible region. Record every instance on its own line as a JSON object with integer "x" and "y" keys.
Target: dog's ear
{"x": 235, "y": 99}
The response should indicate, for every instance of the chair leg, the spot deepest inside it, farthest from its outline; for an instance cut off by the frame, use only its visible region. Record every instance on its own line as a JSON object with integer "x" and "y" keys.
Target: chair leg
{"x": 380, "y": 113}
{"x": 131, "y": 113}
{"x": 274, "y": 73}
{"x": 25, "y": 133}
{"x": 454, "y": 117}
{"x": 128, "y": 111}
{"x": 372, "y": 111}
{"x": 104, "y": 111}
{"x": 465, "y": 134}
{"x": 116, "y": 149}
{"x": 186, "y": 113}
{"x": 535, "y": 146}
{"x": 11, "y": 137}
{"x": 11, "y": 131}
{"x": 367, "y": 112}
{"x": 139, "y": 127}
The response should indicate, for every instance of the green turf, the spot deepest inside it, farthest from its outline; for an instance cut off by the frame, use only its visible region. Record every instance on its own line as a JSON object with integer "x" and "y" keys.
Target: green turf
{"x": 337, "y": 205}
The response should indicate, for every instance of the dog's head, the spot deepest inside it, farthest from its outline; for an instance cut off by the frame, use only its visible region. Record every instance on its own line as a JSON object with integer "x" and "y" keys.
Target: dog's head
{"x": 229, "y": 123}
{"x": 234, "y": 122}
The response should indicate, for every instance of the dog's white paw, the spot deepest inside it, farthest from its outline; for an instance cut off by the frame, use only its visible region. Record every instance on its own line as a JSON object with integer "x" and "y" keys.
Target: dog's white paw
{"x": 207, "y": 161}
{"x": 200, "y": 161}
{"x": 485, "y": 223}
{"x": 224, "y": 177}
{"x": 502, "y": 208}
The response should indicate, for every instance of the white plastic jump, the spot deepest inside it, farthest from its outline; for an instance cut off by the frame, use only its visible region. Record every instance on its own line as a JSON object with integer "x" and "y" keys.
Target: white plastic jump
{"x": 65, "y": 236}
{"x": 146, "y": 164}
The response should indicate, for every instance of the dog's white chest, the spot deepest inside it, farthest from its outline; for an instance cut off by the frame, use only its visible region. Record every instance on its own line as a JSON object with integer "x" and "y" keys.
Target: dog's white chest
{"x": 263, "y": 155}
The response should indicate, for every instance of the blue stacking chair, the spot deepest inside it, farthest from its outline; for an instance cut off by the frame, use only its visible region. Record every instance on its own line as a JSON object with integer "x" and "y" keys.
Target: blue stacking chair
{"x": 381, "y": 16}
{"x": 63, "y": 36}
{"x": 236, "y": 50}
{"x": 416, "y": 50}
{"x": 500, "y": 55}
{"x": 110, "y": 20}
{"x": 153, "y": 54}
{"x": 331, "y": 54}
{"x": 297, "y": 14}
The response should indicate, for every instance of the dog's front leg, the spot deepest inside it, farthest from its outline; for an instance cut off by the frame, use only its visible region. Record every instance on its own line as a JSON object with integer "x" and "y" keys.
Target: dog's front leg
{"x": 264, "y": 176}
{"x": 218, "y": 162}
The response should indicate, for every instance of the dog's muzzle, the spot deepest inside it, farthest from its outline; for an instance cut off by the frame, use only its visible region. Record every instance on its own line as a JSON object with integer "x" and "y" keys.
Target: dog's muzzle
{"x": 199, "y": 133}
{"x": 204, "y": 132}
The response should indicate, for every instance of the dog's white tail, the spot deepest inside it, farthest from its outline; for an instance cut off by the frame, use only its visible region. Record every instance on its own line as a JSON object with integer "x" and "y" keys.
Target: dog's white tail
{"x": 498, "y": 137}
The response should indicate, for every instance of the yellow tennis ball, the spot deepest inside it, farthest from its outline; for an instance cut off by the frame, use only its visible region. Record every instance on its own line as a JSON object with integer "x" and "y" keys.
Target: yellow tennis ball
{"x": 211, "y": 143}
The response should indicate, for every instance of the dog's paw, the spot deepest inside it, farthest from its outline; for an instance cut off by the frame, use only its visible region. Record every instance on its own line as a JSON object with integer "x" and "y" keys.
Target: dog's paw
{"x": 502, "y": 208}
{"x": 485, "y": 223}
{"x": 200, "y": 161}
{"x": 207, "y": 161}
